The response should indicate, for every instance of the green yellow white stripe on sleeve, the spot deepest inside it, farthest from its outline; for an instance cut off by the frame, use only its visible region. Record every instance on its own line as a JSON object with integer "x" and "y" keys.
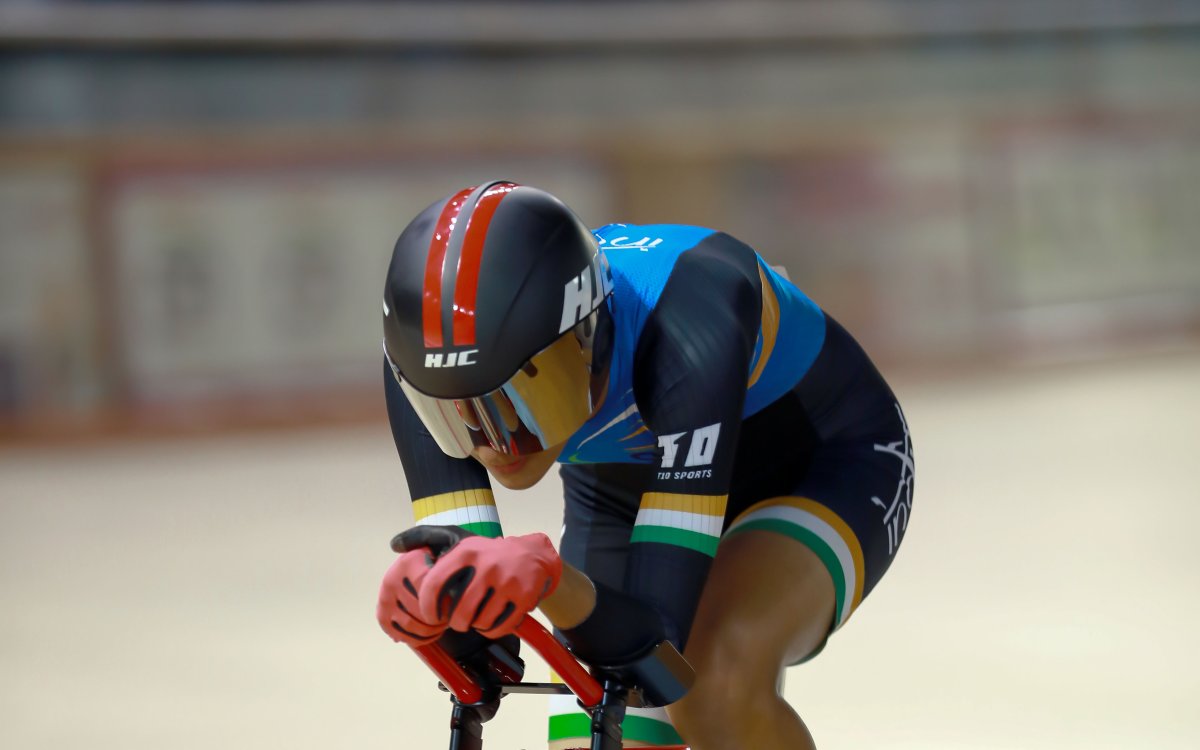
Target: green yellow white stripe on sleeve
{"x": 474, "y": 510}
{"x": 692, "y": 521}
{"x": 821, "y": 530}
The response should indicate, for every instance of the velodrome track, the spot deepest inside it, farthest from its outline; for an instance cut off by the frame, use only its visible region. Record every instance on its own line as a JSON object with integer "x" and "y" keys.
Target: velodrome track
{"x": 218, "y": 592}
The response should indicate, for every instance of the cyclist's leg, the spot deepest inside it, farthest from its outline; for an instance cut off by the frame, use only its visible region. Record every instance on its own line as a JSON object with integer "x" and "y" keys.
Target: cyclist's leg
{"x": 747, "y": 629}
{"x": 601, "y": 504}
{"x": 789, "y": 570}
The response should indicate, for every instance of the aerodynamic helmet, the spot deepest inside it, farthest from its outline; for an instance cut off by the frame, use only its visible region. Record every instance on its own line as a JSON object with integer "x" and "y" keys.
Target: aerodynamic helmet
{"x": 495, "y": 319}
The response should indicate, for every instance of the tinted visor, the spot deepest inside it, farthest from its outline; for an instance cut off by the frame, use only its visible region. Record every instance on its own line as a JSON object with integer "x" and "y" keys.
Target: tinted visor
{"x": 540, "y": 406}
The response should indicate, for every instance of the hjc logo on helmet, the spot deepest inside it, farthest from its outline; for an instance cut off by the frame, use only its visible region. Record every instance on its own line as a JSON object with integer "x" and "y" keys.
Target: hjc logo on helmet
{"x": 585, "y": 292}
{"x": 453, "y": 359}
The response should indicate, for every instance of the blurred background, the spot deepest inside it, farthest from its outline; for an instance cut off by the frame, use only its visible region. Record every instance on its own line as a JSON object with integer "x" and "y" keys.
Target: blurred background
{"x": 197, "y": 206}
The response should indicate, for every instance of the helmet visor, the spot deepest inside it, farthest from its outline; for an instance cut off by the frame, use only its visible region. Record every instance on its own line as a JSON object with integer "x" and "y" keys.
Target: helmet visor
{"x": 540, "y": 406}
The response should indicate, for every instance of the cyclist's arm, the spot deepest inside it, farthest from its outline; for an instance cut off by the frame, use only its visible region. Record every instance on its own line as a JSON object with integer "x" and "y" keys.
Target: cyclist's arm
{"x": 691, "y": 367}
{"x": 445, "y": 490}
{"x": 690, "y": 375}
{"x": 572, "y": 602}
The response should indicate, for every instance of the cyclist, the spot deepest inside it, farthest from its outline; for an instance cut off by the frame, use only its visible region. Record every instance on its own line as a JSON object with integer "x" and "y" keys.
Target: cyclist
{"x": 737, "y": 475}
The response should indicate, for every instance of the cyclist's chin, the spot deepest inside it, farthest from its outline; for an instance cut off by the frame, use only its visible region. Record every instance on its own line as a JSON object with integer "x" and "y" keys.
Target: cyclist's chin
{"x": 517, "y": 473}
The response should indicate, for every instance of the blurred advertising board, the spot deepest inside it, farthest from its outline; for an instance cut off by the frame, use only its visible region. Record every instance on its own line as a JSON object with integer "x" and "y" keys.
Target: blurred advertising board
{"x": 1087, "y": 226}
{"x": 992, "y": 239}
{"x": 48, "y": 335}
{"x": 257, "y": 282}
{"x": 875, "y": 229}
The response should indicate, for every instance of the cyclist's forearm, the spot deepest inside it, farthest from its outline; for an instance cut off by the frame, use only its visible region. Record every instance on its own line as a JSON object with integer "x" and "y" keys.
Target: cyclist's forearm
{"x": 614, "y": 631}
{"x": 572, "y": 601}
{"x": 585, "y": 612}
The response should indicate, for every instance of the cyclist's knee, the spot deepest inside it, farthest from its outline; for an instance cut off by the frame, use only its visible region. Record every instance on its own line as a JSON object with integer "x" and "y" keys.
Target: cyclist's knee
{"x": 734, "y": 649}
{"x": 723, "y": 698}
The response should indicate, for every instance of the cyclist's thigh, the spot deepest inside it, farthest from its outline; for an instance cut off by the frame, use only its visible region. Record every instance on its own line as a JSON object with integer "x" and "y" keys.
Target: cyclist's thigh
{"x": 850, "y": 508}
{"x": 767, "y": 597}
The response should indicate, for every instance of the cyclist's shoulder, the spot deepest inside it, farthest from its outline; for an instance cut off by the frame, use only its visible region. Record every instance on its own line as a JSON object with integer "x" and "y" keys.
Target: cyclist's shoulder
{"x": 656, "y": 251}
{"x": 647, "y": 237}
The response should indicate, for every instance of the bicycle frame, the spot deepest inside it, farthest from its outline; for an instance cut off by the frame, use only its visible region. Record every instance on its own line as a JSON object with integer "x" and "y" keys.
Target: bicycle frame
{"x": 476, "y": 697}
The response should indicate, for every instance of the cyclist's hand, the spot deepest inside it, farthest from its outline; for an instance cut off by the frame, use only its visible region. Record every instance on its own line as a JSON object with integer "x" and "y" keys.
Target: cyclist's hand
{"x": 399, "y": 611}
{"x": 489, "y": 585}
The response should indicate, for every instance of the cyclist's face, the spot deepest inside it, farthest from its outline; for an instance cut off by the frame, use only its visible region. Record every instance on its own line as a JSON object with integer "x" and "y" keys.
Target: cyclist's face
{"x": 517, "y": 472}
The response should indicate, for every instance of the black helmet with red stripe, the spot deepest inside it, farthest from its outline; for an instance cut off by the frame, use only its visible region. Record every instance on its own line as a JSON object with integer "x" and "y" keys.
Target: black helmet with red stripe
{"x": 494, "y": 299}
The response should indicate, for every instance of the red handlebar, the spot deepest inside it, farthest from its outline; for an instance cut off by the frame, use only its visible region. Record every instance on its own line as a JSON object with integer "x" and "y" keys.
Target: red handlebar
{"x": 557, "y": 657}
{"x": 453, "y": 676}
{"x": 581, "y": 682}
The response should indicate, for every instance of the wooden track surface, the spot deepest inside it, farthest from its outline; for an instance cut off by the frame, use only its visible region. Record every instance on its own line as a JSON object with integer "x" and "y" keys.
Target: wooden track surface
{"x": 218, "y": 591}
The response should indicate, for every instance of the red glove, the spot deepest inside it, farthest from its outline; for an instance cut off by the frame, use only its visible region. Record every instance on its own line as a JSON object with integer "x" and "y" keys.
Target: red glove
{"x": 399, "y": 611}
{"x": 489, "y": 585}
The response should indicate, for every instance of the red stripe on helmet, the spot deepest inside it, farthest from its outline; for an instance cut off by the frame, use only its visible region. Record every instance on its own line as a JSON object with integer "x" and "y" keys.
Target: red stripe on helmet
{"x": 431, "y": 302}
{"x": 466, "y": 284}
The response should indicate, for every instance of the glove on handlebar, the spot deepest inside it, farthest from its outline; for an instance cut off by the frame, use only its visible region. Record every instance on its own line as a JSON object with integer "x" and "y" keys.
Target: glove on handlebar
{"x": 489, "y": 585}
{"x": 481, "y": 584}
{"x": 398, "y": 610}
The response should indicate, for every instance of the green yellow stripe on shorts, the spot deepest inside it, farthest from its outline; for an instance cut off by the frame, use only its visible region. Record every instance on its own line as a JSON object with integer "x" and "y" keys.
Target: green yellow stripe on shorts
{"x": 474, "y": 510}
{"x": 820, "y": 529}
{"x": 691, "y": 521}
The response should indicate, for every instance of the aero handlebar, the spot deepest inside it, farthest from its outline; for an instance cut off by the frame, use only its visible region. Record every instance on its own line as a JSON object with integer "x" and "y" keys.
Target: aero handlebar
{"x": 532, "y": 632}
{"x": 479, "y": 679}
